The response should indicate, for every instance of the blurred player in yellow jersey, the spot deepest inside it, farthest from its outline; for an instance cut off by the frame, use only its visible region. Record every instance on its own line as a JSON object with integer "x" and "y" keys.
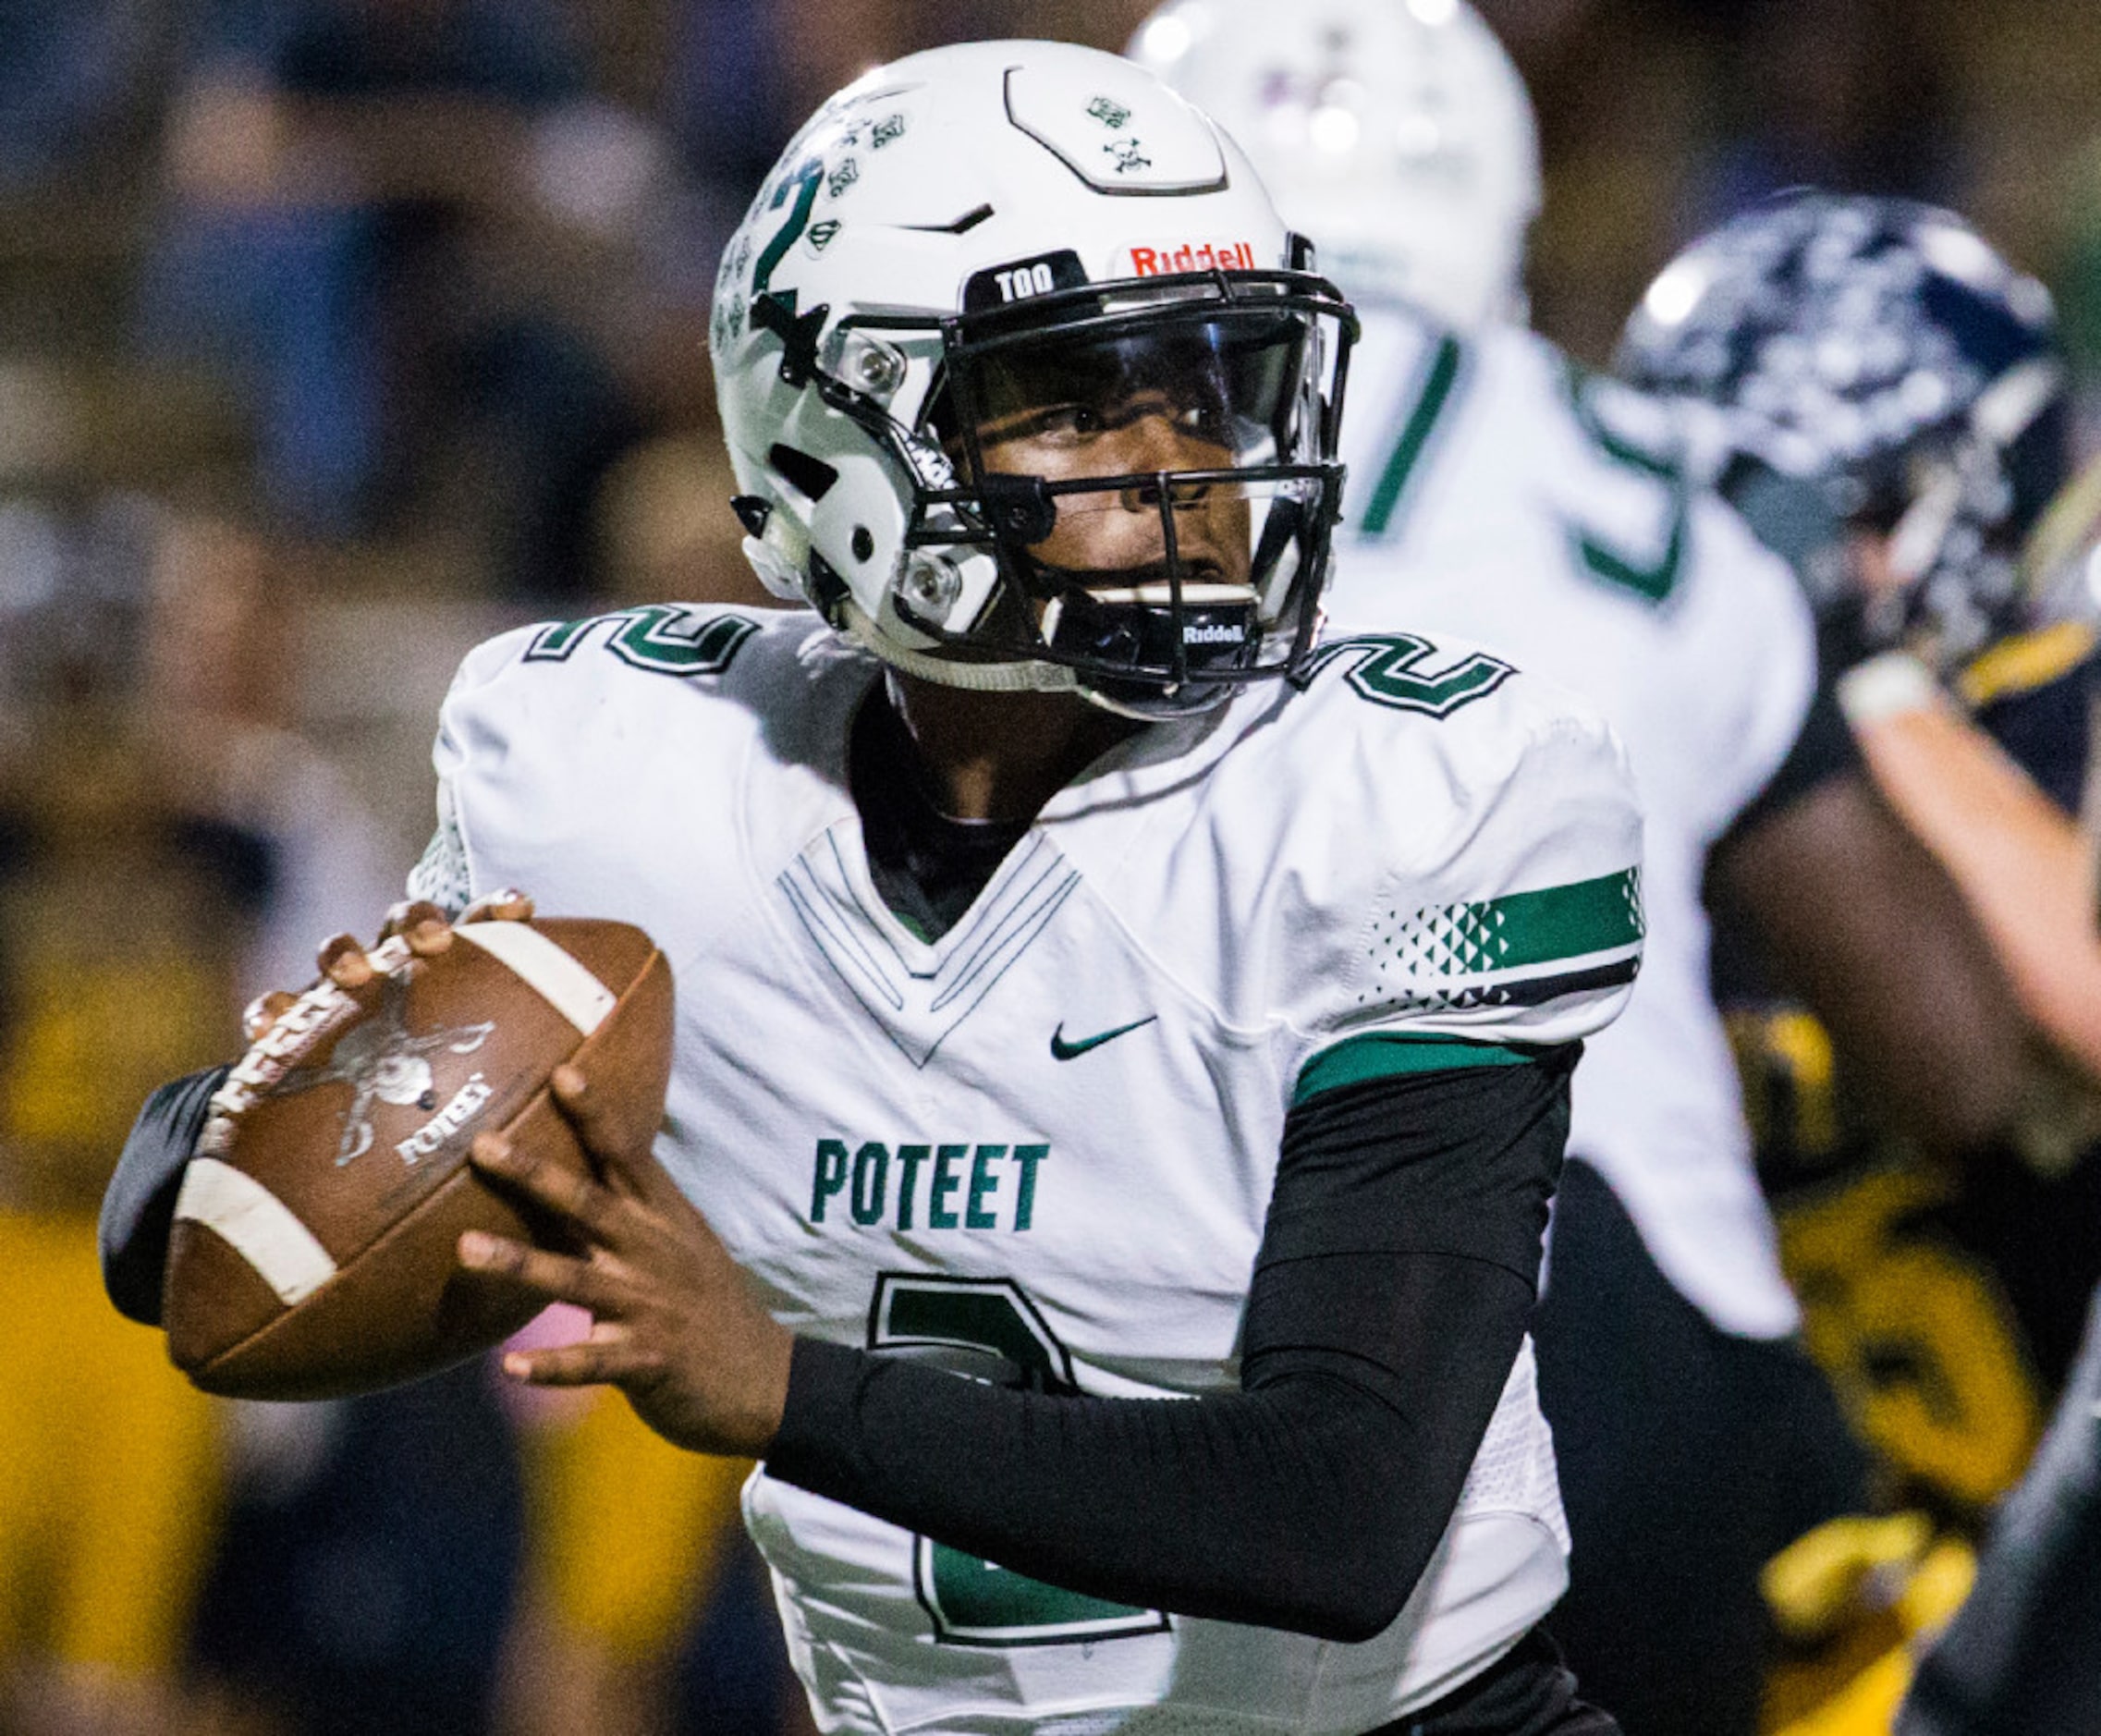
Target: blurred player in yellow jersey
{"x": 108, "y": 978}
{"x": 1883, "y": 397}
{"x": 2020, "y": 1653}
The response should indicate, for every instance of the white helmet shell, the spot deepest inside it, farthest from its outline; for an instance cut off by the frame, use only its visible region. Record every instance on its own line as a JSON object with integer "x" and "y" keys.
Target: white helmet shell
{"x": 980, "y": 175}
{"x": 1396, "y": 133}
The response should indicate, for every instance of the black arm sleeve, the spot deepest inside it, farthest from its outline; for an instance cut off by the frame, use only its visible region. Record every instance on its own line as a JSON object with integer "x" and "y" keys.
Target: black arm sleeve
{"x": 1388, "y": 1301}
{"x": 138, "y": 1208}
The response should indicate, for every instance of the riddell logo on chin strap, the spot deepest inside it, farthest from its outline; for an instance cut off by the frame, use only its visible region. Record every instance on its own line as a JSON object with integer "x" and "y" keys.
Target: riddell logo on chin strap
{"x": 1150, "y": 262}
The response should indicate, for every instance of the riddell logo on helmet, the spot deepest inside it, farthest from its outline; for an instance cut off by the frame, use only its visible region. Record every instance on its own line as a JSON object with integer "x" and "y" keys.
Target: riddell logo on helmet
{"x": 1147, "y": 261}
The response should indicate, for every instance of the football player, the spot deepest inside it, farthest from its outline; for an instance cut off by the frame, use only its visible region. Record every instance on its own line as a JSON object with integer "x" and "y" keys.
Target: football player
{"x": 1088, "y": 982}
{"x": 1498, "y": 493}
{"x": 1884, "y": 396}
{"x": 2020, "y": 1654}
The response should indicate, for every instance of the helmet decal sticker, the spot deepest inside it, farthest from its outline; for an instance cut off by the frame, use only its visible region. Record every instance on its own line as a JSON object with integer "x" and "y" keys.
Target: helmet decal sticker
{"x": 1150, "y": 262}
{"x": 1129, "y": 155}
{"x": 997, "y": 286}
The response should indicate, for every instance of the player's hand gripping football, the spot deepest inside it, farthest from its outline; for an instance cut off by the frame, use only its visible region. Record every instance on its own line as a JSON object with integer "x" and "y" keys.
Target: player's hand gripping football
{"x": 283, "y": 1027}
{"x": 343, "y": 961}
{"x": 674, "y": 1323}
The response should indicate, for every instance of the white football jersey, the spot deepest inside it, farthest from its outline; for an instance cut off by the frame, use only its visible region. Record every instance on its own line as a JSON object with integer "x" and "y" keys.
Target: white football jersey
{"x": 1497, "y": 494}
{"x": 1047, "y": 1139}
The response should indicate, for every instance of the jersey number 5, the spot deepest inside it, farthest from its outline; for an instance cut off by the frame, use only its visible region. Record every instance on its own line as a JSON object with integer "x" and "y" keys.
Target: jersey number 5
{"x": 1649, "y": 581}
{"x": 974, "y": 1602}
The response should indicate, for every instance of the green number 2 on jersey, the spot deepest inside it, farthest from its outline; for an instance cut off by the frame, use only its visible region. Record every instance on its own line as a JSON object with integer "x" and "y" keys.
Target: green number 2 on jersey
{"x": 975, "y": 1602}
{"x": 1396, "y": 670}
{"x": 664, "y": 637}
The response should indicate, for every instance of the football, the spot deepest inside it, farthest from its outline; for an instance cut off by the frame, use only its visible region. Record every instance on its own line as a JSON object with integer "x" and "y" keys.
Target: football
{"x": 313, "y": 1253}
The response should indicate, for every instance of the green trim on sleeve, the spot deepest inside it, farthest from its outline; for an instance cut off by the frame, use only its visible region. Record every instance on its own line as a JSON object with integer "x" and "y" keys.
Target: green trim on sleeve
{"x": 1383, "y": 1054}
{"x": 1520, "y": 928}
{"x": 1563, "y": 922}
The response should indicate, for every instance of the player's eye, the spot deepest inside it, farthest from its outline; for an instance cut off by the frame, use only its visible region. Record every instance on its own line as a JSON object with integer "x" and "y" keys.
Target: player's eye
{"x": 1074, "y": 419}
{"x": 1055, "y": 424}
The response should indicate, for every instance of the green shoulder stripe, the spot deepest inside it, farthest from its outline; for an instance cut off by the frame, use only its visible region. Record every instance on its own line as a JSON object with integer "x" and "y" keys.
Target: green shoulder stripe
{"x": 1383, "y": 1054}
{"x": 1519, "y": 929}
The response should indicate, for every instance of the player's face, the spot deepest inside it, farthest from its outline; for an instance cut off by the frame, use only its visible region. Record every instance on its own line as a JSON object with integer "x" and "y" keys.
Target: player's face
{"x": 1184, "y": 400}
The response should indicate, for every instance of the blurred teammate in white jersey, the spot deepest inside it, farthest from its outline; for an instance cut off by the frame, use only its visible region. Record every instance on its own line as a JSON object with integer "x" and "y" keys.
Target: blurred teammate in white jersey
{"x": 1498, "y": 492}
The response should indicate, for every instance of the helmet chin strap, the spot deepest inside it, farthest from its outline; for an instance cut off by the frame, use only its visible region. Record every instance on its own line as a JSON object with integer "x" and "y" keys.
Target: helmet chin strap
{"x": 1025, "y": 677}
{"x": 779, "y": 555}
{"x": 1002, "y": 678}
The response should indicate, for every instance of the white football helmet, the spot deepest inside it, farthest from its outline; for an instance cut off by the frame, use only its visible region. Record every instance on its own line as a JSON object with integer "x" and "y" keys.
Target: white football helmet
{"x": 998, "y": 252}
{"x": 1397, "y": 133}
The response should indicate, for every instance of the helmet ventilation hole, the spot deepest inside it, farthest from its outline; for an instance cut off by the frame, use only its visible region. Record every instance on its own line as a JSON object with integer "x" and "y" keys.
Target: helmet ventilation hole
{"x": 811, "y": 476}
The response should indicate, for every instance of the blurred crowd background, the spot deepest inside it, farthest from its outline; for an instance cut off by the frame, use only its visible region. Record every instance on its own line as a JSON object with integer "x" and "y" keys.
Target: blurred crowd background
{"x": 335, "y": 334}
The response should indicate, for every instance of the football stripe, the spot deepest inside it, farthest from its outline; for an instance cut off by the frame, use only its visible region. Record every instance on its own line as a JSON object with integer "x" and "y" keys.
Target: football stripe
{"x": 257, "y": 1225}
{"x": 561, "y": 982}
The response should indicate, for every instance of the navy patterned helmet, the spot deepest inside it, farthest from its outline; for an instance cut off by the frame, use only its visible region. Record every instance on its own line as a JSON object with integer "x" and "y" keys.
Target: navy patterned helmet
{"x": 1872, "y": 363}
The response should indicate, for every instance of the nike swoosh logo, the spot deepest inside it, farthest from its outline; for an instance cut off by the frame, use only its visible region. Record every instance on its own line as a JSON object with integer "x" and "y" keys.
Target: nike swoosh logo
{"x": 1063, "y": 1051}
